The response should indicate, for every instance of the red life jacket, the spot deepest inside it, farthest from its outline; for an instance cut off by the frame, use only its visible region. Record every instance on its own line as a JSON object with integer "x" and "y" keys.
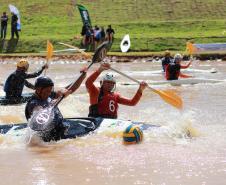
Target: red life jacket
{"x": 107, "y": 106}
{"x": 172, "y": 71}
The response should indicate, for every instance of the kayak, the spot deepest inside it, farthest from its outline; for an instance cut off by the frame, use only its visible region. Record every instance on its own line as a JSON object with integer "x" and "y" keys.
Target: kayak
{"x": 189, "y": 70}
{"x": 78, "y": 127}
{"x": 125, "y": 44}
{"x": 179, "y": 82}
{"x": 13, "y": 101}
{"x": 212, "y": 70}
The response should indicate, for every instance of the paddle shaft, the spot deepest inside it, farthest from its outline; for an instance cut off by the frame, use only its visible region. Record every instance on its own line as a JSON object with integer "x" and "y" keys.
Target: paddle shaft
{"x": 123, "y": 74}
{"x": 73, "y": 85}
{"x": 47, "y": 61}
{"x": 70, "y": 46}
{"x": 170, "y": 98}
{"x": 99, "y": 54}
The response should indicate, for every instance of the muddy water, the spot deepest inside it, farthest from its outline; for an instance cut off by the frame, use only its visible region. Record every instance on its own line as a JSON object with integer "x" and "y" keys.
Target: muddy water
{"x": 162, "y": 158}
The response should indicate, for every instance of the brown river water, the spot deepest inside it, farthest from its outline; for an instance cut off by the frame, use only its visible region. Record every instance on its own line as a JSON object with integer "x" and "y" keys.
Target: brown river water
{"x": 163, "y": 158}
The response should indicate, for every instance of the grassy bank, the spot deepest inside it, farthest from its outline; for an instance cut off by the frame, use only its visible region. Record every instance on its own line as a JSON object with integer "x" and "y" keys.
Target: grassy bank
{"x": 152, "y": 25}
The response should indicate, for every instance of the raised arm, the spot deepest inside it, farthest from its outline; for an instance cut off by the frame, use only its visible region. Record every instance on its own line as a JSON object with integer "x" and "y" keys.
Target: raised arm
{"x": 29, "y": 85}
{"x": 37, "y": 73}
{"x": 135, "y": 99}
{"x": 72, "y": 88}
{"x": 184, "y": 75}
{"x": 185, "y": 66}
{"x": 91, "y": 88}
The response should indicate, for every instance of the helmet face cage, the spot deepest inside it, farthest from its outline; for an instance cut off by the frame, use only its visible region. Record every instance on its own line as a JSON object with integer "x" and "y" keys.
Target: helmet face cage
{"x": 178, "y": 57}
{"x": 111, "y": 78}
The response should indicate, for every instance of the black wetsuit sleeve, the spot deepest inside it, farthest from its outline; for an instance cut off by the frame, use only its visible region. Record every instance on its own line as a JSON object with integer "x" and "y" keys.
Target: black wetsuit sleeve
{"x": 29, "y": 85}
{"x": 35, "y": 74}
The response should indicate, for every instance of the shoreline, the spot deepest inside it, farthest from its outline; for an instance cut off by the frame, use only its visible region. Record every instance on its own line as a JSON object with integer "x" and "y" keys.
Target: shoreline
{"x": 114, "y": 56}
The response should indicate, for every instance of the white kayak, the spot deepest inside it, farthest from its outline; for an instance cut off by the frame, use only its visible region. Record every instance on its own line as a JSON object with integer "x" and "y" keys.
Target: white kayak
{"x": 125, "y": 43}
{"x": 189, "y": 70}
{"x": 180, "y": 81}
{"x": 212, "y": 70}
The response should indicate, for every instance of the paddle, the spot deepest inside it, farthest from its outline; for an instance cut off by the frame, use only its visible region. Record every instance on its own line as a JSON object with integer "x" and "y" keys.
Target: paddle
{"x": 74, "y": 47}
{"x": 168, "y": 97}
{"x": 190, "y": 48}
{"x": 41, "y": 119}
{"x": 49, "y": 49}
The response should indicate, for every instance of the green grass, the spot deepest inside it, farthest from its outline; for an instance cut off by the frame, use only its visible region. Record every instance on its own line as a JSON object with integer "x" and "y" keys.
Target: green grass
{"x": 153, "y": 25}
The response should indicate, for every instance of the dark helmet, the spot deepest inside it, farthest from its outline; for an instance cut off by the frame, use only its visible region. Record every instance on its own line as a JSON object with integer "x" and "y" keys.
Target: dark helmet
{"x": 43, "y": 81}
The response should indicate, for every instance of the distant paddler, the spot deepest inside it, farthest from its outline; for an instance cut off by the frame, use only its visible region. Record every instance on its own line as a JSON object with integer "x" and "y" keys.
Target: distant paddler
{"x": 104, "y": 101}
{"x": 166, "y": 60}
{"x": 14, "y": 84}
{"x": 173, "y": 69}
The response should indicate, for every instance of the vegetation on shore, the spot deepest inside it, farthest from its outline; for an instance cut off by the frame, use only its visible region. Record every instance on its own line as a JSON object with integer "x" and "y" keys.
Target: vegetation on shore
{"x": 153, "y": 25}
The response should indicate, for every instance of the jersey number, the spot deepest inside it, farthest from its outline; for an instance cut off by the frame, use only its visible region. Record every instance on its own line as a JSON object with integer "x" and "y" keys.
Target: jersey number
{"x": 112, "y": 106}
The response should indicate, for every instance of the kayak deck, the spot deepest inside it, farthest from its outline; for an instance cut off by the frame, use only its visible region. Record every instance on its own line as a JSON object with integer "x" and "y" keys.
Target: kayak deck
{"x": 82, "y": 126}
{"x": 14, "y": 101}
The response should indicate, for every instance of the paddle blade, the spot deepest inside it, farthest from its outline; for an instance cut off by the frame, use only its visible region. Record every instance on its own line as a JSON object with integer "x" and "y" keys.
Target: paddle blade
{"x": 170, "y": 98}
{"x": 100, "y": 52}
{"x": 42, "y": 120}
{"x": 49, "y": 49}
{"x": 190, "y": 48}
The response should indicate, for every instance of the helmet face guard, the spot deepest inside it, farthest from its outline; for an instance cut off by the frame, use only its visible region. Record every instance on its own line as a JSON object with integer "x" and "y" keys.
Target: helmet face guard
{"x": 178, "y": 57}
{"x": 109, "y": 78}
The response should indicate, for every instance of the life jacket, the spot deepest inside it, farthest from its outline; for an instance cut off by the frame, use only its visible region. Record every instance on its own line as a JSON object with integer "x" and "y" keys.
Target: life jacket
{"x": 107, "y": 106}
{"x": 172, "y": 71}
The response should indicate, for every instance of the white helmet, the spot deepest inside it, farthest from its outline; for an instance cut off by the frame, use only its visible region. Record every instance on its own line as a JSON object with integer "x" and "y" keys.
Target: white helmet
{"x": 109, "y": 77}
{"x": 178, "y": 56}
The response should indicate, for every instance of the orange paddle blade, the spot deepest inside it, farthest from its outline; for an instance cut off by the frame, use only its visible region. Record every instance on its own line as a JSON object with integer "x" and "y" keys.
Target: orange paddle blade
{"x": 49, "y": 49}
{"x": 190, "y": 48}
{"x": 170, "y": 98}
